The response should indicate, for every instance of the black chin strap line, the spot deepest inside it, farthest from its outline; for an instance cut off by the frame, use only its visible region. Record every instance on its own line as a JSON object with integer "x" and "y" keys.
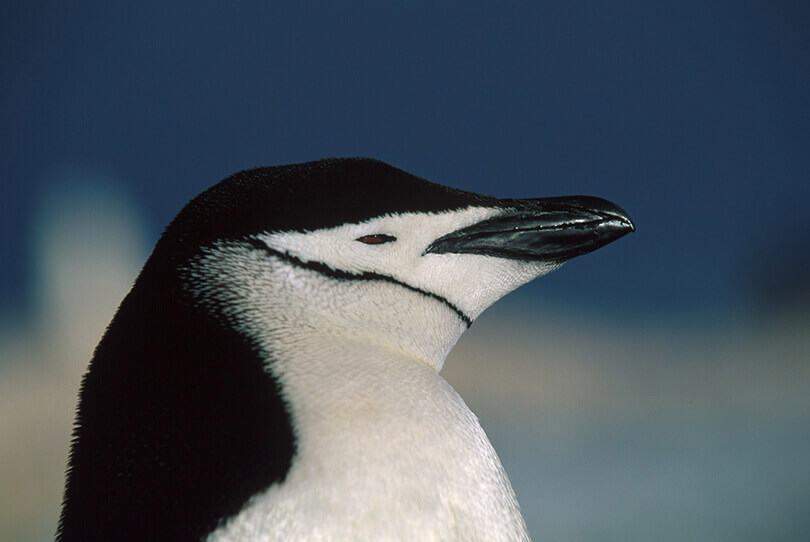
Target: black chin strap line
{"x": 339, "y": 274}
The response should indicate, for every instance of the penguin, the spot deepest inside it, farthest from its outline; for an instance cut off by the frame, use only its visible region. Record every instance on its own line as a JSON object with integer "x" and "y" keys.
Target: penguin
{"x": 274, "y": 372}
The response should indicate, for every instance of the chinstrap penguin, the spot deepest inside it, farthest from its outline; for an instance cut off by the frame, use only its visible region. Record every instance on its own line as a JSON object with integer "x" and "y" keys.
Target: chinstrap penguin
{"x": 274, "y": 372}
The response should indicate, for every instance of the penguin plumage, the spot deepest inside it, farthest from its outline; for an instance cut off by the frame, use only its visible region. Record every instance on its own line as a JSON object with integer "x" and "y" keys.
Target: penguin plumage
{"x": 273, "y": 373}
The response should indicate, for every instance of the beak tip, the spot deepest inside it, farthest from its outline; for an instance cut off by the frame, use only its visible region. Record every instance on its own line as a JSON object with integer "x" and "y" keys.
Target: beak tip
{"x": 611, "y": 209}
{"x": 631, "y": 227}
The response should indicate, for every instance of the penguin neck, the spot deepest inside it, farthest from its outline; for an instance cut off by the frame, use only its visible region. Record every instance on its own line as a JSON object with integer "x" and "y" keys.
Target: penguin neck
{"x": 414, "y": 328}
{"x": 339, "y": 379}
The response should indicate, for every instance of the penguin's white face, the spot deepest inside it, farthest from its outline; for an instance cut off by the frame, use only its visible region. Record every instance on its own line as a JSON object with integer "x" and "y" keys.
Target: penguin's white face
{"x": 373, "y": 282}
{"x": 396, "y": 246}
{"x": 410, "y": 282}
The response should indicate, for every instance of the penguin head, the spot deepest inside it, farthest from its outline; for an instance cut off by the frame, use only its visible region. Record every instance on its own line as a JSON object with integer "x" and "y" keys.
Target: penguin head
{"x": 358, "y": 250}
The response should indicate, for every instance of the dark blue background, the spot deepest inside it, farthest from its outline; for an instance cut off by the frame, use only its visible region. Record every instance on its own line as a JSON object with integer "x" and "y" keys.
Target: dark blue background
{"x": 691, "y": 115}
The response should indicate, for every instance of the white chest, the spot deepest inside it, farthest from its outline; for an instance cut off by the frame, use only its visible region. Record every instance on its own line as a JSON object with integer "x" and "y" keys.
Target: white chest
{"x": 386, "y": 450}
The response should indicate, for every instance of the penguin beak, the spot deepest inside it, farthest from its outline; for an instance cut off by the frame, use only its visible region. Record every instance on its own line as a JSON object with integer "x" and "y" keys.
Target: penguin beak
{"x": 545, "y": 229}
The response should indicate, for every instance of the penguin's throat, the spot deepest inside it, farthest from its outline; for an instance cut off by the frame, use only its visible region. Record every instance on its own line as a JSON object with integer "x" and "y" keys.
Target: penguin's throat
{"x": 399, "y": 343}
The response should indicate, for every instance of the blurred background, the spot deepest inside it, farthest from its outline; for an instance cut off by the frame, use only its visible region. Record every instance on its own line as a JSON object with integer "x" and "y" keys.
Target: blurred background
{"x": 658, "y": 389}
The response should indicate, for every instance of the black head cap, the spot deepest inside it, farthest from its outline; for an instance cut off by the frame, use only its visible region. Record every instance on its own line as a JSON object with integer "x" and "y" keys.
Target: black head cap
{"x": 309, "y": 196}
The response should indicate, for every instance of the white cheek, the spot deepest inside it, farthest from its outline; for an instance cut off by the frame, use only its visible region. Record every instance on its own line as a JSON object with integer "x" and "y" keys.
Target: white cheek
{"x": 470, "y": 282}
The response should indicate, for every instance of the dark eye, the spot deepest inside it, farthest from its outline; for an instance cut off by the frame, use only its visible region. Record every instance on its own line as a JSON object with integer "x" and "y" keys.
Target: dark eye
{"x": 376, "y": 239}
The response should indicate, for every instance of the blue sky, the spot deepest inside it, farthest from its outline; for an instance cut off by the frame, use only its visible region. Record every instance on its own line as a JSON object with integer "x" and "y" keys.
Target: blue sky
{"x": 693, "y": 116}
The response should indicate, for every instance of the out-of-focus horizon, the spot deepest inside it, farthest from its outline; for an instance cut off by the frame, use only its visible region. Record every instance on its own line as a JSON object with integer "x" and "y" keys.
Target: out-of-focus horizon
{"x": 656, "y": 389}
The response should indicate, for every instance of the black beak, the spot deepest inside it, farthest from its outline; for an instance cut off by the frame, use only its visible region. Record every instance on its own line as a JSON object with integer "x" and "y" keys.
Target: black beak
{"x": 545, "y": 229}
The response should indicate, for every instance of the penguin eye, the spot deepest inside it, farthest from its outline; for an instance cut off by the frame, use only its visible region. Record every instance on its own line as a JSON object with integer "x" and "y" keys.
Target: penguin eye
{"x": 376, "y": 239}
